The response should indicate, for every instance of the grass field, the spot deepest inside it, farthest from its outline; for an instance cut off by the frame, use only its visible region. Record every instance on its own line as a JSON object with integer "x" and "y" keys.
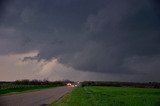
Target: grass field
{"x": 13, "y": 88}
{"x": 110, "y": 96}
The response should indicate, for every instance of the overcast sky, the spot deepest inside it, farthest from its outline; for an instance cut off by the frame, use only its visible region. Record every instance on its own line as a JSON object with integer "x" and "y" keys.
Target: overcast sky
{"x": 113, "y": 40}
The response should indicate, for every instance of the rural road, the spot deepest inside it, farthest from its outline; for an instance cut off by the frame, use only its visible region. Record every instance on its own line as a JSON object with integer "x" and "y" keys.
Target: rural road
{"x": 35, "y": 98}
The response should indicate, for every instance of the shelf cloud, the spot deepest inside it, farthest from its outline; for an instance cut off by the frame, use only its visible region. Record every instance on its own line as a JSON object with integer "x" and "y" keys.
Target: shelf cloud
{"x": 116, "y": 38}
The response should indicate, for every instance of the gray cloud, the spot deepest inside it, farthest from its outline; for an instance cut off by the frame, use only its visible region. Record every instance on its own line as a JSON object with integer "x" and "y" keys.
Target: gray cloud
{"x": 116, "y": 37}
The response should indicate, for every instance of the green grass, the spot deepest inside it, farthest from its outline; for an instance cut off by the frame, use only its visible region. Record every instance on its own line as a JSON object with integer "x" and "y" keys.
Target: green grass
{"x": 110, "y": 96}
{"x": 13, "y": 88}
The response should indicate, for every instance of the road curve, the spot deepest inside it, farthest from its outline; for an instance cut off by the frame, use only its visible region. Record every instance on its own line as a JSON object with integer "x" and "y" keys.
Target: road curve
{"x": 36, "y": 98}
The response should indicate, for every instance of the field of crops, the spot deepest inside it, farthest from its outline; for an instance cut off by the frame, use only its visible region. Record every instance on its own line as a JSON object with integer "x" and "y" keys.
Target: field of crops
{"x": 28, "y": 85}
{"x": 110, "y": 96}
{"x": 13, "y": 88}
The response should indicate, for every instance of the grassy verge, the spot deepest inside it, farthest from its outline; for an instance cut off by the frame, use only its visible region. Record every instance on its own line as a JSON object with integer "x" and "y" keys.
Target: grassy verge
{"x": 11, "y": 88}
{"x": 110, "y": 96}
{"x": 63, "y": 100}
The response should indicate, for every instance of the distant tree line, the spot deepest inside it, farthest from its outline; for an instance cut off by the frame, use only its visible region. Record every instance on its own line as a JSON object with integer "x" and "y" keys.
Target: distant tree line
{"x": 120, "y": 84}
{"x": 41, "y": 82}
{"x": 38, "y": 82}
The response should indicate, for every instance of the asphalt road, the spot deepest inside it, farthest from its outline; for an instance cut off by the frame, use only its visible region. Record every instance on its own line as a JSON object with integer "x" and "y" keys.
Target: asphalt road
{"x": 35, "y": 98}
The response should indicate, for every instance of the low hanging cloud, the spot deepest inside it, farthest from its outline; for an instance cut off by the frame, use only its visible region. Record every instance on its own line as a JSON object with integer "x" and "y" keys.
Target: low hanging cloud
{"x": 112, "y": 37}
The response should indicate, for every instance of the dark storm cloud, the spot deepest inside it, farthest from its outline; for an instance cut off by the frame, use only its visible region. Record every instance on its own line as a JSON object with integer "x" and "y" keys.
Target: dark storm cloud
{"x": 90, "y": 35}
